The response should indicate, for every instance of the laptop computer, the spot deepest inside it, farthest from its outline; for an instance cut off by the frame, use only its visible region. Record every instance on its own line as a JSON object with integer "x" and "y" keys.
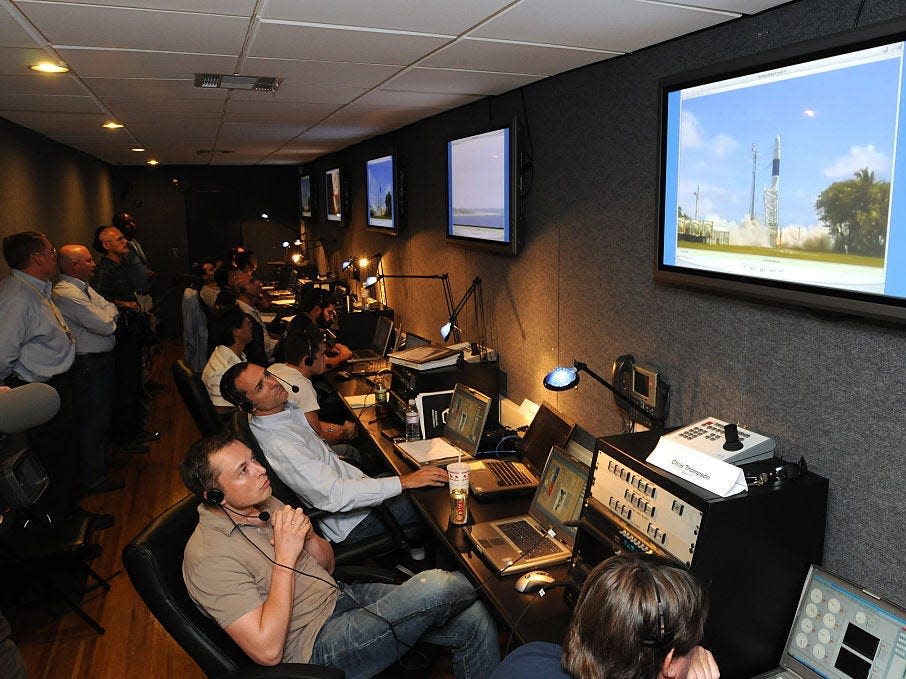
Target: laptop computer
{"x": 378, "y": 343}
{"x": 842, "y": 631}
{"x": 373, "y": 367}
{"x": 468, "y": 413}
{"x": 548, "y": 428}
{"x": 521, "y": 543}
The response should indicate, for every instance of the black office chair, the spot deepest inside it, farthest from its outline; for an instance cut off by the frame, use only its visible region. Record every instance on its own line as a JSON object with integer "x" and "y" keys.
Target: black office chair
{"x": 153, "y": 560}
{"x": 197, "y": 399}
{"x": 396, "y": 538}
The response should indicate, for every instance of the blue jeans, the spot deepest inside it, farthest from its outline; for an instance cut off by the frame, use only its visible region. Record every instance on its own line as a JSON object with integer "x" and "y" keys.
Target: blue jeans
{"x": 403, "y": 511}
{"x": 437, "y": 606}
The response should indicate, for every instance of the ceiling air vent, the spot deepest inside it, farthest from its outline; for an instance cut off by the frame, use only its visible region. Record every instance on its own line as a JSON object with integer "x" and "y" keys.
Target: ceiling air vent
{"x": 237, "y": 82}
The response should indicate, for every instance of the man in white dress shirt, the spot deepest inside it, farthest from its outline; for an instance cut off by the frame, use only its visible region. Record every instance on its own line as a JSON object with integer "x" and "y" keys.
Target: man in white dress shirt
{"x": 306, "y": 464}
{"x": 92, "y": 321}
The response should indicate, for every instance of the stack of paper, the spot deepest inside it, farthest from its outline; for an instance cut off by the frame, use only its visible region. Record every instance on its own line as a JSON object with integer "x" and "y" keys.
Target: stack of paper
{"x": 426, "y": 357}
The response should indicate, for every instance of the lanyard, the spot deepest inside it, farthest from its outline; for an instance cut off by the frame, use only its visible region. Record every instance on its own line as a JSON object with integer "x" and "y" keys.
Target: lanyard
{"x": 53, "y": 308}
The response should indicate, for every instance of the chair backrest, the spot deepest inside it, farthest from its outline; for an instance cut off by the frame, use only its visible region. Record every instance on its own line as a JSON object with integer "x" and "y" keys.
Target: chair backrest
{"x": 197, "y": 400}
{"x": 153, "y": 560}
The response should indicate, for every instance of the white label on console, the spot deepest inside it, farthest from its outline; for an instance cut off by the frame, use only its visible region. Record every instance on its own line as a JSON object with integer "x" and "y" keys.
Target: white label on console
{"x": 703, "y": 470}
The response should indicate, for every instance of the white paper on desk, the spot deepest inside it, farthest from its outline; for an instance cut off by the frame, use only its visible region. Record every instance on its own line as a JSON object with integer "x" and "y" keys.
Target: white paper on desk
{"x": 426, "y": 451}
{"x": 702, "y": 470}
{"x": 359, "y": 400}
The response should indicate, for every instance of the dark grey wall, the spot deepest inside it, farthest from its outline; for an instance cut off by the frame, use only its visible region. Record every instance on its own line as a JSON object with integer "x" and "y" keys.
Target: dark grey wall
{"x": 582, "y": 285}
{"x": 48, "y": 187}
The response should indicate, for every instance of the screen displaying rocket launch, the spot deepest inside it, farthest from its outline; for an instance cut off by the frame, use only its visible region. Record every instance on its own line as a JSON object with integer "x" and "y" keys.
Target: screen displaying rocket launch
{"x": 786, "y": 175}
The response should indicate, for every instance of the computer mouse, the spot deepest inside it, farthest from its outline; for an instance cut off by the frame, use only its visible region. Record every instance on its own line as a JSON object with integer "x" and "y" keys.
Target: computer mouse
{"x": 343, "y": 376}
{"x": 533, "y": 581}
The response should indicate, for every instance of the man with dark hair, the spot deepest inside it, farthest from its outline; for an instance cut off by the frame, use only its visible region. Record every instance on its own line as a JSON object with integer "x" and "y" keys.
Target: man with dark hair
{"x": 112, "y": 280}
{"x": 36, "y": 345}
{"x": 231, "y": 330}
{"x": 306, "y": 464}
{"x": 317, "y": 310}
{"x": 92, "y": 320}
{"x": 265, "y": 579}
{"x": 638, "y": 617}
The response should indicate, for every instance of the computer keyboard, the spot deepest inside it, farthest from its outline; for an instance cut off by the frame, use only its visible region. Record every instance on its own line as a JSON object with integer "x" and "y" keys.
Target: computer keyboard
{"x": 506, "y": 473}
{"x": 528, "y": 539}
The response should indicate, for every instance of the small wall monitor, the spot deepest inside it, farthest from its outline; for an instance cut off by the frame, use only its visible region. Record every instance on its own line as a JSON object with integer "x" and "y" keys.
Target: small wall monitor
{"x": 383, "y": 191}
{"x": 333, "y": 186}
{"x": 483, "y": 189}
{"x": 778, "y": 175}
{"x": 305, "y": 196}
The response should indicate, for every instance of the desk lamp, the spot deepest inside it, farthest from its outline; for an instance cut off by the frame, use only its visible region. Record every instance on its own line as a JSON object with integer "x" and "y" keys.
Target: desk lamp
{"x": 445, "y": 278}
{"x": 450, "y": 327}
{"x": 562, "y": 378}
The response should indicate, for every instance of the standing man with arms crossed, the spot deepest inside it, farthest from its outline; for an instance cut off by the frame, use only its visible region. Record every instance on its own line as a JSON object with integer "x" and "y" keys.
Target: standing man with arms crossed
{"x": 92, "y": 320}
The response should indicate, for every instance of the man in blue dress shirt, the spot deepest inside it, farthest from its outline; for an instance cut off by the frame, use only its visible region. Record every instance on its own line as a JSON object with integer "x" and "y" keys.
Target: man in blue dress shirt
{"x": 36, "y": 345}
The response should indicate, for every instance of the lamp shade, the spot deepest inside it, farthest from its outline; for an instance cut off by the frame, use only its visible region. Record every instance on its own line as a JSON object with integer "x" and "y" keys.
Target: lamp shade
{"x": 561, "y": 379}
{"x": 371, "y": 280}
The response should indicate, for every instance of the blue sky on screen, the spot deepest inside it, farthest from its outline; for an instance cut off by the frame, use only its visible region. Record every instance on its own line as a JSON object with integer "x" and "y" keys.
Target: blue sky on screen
{"x": 831, "y": 125}
{"x": 380, "y": 180}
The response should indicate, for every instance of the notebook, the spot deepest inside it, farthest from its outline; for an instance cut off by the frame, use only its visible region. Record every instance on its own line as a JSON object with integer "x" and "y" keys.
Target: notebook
{"x": 520, "y": 543}
{"x": 378, "y": 343}
{"x": 548, "y": 428}
{"x": 842, "y": 631}
{"x": 468, "y": 413}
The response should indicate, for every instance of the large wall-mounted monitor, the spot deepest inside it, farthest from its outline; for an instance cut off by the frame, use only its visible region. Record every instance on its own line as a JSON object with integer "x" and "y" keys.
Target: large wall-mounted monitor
{"x": 333, "y": 188}
{"x": 305, "y": 196}
{"x": 778, "y": 176}
{"x": 384, "y": 193}
{"x": 483, "y": 181}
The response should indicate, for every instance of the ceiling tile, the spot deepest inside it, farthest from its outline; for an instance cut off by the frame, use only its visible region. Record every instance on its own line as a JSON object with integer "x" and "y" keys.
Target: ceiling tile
{"x": 430, "y": 16}
{"x": 321, "y": 72}
{"x": 16, "y": 60}
{"x": 299, "y": 115}
{"x": 94, "y": 26}
{"x": 509, "y": 57}
{"x": 11, "y": 32}
{"x": 303, "y": 92}
{"x": 613, "y": 25}
{"x": 463, "y": 82}
{"x": 231, "y": 7}
{"x": 741, "y": 6}
{"x": 294, "y": 41}
{"x": 60, "y": 103}
{"x": 57, "y": 124}
{"x": 232, "y": 133}
{"x": 40, "y": 84}
{"x": 432, "y": 100}
{"x": 131, "y": 110}
{"x": 101, "y": 63}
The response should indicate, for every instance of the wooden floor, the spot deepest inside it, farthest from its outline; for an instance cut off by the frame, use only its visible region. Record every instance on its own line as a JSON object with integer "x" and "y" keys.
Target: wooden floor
{"x": 134, "y": 643}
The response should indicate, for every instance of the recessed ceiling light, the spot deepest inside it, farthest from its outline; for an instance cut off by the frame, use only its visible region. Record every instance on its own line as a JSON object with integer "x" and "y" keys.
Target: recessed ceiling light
{"x": 110, "y": 125}
{"x": 137, "y": 149}
{"x": 152, "y": 162}
{"x": 49, "y": 67}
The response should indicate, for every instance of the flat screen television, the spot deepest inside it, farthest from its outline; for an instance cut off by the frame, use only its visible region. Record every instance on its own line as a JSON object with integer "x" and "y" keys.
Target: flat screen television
{"x": 383, "y": 188}
{"x": 305, "y": 196}
{"x": 778, "y": 176}
{"x": 333, "y": 188}
{"x": 483, "y": 181}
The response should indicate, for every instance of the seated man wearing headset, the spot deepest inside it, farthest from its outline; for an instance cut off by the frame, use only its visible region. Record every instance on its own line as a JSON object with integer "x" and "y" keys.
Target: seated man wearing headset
{"x": 638, "y": 617}
{"x": 255, "y": 566}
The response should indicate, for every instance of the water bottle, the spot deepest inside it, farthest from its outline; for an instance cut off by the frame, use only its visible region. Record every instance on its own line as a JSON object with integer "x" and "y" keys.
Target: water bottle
{"x": 413, "y": 429}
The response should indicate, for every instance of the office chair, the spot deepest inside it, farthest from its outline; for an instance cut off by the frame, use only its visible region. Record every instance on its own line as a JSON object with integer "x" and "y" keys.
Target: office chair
{"x": 153, "y": 560}
{"x": 197, "y": 400}
{"x": 396, "y": 538}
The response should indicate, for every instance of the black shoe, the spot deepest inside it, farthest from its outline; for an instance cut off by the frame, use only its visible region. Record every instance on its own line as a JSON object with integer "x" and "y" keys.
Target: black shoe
{"x": 98, "y": 521}
{"x": 148, "y": 437}
{"x": 105, "y": 485}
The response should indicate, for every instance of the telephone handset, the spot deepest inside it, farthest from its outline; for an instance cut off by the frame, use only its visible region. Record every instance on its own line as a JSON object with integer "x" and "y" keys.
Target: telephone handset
{"x": 643, "y": 387}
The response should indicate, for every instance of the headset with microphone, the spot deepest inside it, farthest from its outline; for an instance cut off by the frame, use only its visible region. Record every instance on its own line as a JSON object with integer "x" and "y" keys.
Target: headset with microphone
{"x": 214, "y": 497}
{"x": 292, "y": 386}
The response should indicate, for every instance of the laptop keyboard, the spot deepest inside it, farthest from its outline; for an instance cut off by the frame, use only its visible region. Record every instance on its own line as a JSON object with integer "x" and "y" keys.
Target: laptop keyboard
{"x": 528, "y": 539}
{"x": 506, "y": 473}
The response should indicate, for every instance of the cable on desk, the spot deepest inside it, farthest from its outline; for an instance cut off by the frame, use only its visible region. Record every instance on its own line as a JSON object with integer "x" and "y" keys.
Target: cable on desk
{"x": 540, "y": 593}
{"x": 549, "y": 534}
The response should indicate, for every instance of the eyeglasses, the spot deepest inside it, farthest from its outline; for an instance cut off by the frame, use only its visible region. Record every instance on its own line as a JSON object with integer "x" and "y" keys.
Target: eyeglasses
{"x": 114, "y": 240}
{"x": 52, "y": 252}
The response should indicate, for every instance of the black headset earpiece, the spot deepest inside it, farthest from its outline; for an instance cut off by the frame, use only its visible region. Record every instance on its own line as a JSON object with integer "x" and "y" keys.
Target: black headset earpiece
{"x": 213, "y": 497}
{"x": 312, "y": 350}
{"x": 660, "y": 637}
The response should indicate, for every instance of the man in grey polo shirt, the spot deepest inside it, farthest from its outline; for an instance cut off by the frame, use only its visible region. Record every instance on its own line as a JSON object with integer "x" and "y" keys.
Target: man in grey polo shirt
{"x": 266, "y": 580}
{"x": 92, "y": 321}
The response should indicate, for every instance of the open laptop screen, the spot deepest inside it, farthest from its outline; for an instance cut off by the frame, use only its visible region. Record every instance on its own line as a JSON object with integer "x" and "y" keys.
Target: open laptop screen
{"x": 466, "y": 418}
{"x": 549, "y": 428}
{"x": 842, "y": 632}
{"x": 382, "y": 335}
{"x": 560, "y": 493}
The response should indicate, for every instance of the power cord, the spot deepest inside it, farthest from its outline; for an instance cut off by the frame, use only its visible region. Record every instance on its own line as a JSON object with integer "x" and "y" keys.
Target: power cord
{"x": 549, "y": 534}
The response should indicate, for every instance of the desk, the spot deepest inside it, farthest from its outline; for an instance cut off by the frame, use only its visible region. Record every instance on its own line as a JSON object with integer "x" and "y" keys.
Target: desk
{"x": 547, "y": 617}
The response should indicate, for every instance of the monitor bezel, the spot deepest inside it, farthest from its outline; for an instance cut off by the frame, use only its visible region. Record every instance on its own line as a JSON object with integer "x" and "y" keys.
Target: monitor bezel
{"x": 337, "y": 218}
{"x": 398, "y": 197}
{"x": 513, "y": 185}
{"x": 827, "y": 301}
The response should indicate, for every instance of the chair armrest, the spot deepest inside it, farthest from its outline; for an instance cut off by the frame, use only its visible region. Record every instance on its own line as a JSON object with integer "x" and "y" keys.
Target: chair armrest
{"x": 286, "y": 671}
